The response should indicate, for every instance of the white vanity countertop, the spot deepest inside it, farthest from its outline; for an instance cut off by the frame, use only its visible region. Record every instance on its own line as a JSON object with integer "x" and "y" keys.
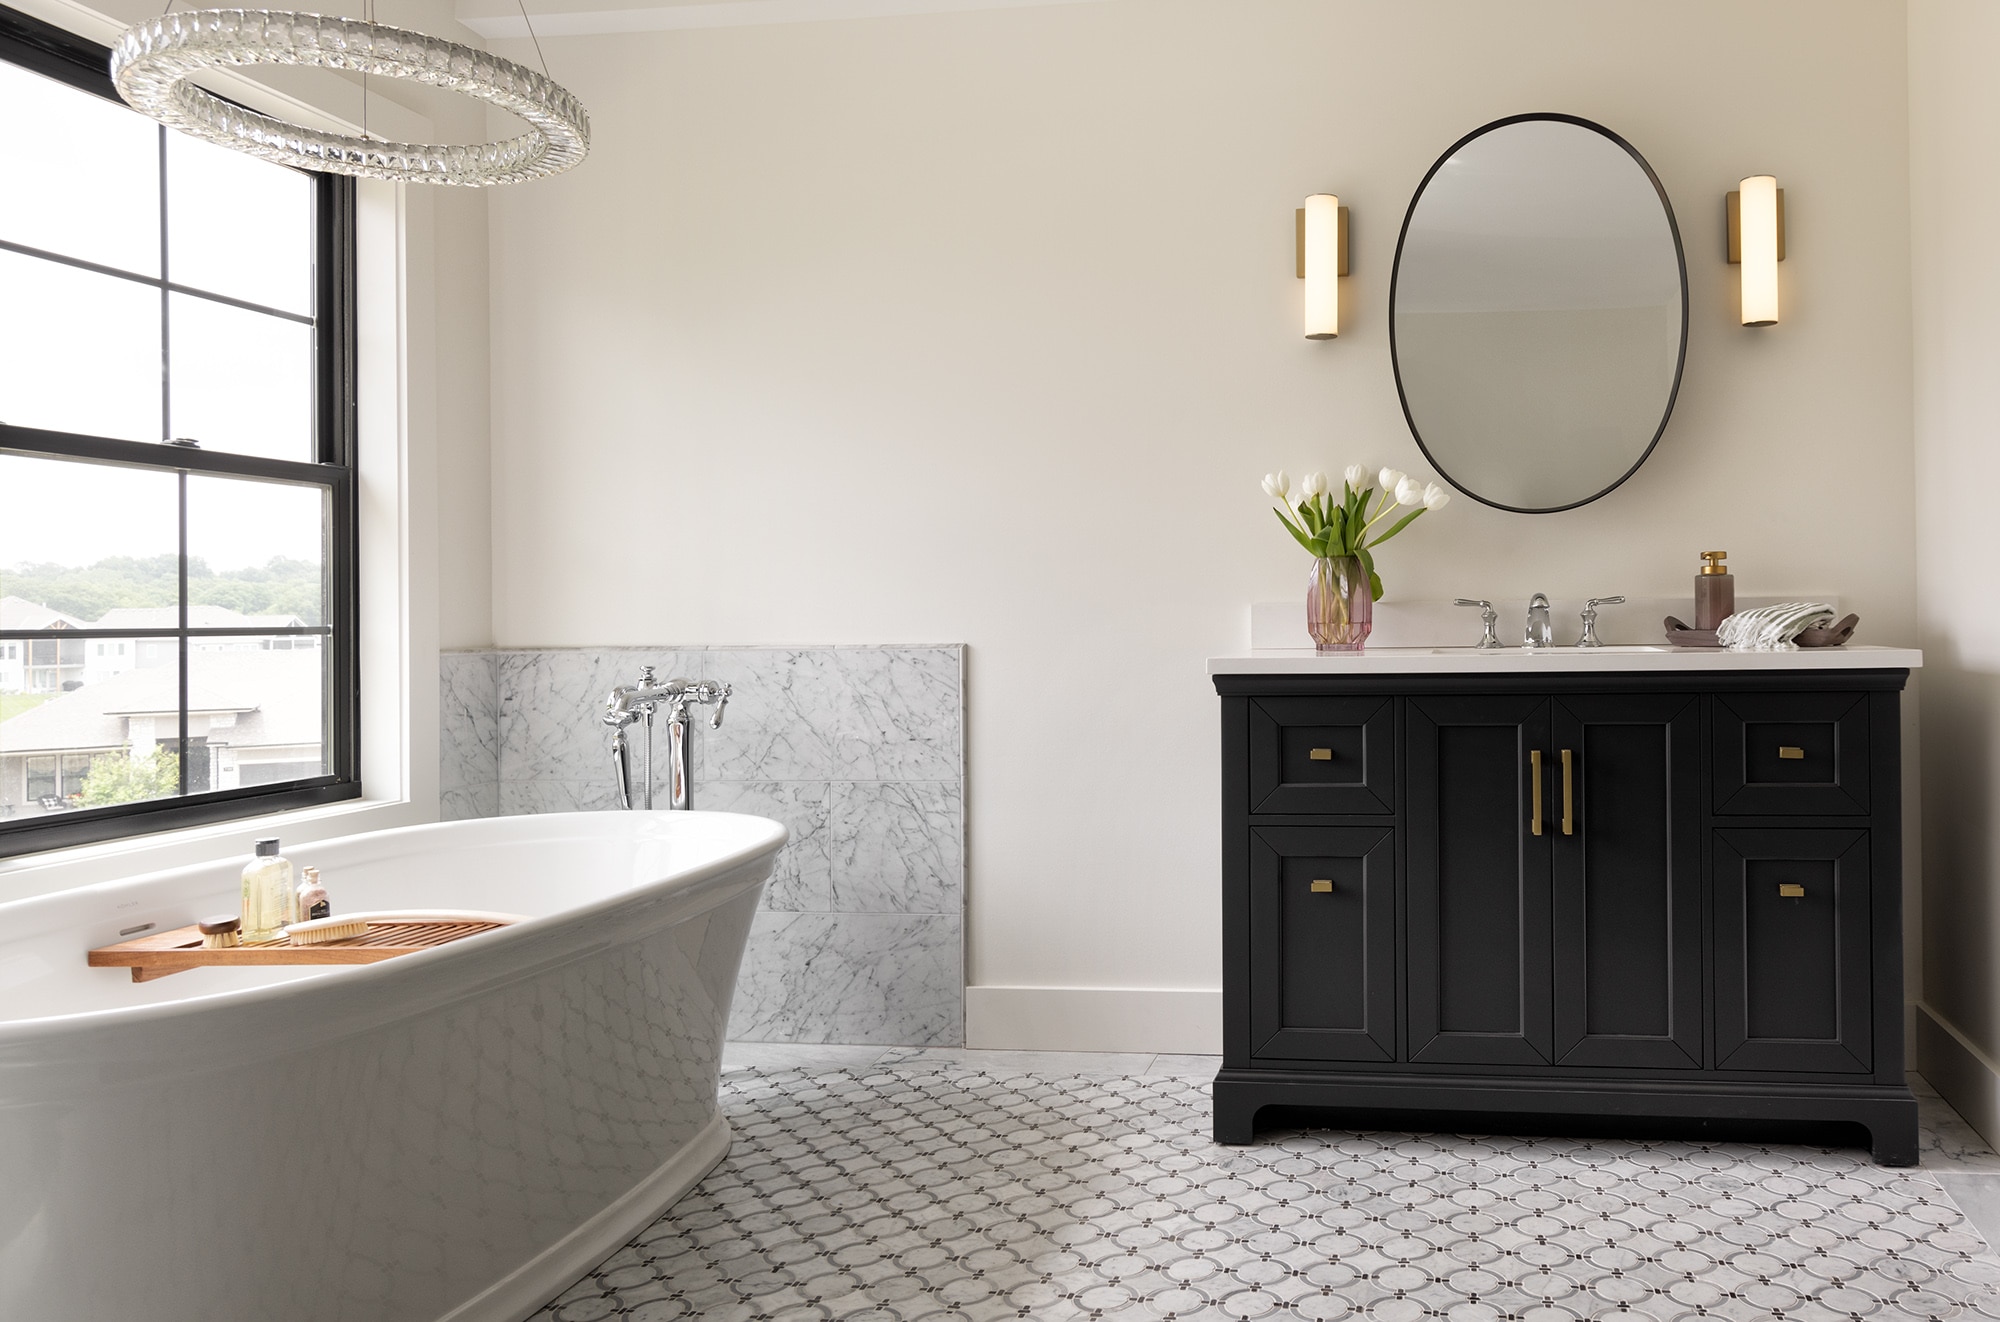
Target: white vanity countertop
{"x": 1520, "y": 660}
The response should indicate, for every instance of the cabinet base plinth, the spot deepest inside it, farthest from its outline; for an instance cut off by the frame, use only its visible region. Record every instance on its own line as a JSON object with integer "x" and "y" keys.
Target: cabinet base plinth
{"x": 1249, "y": 1099}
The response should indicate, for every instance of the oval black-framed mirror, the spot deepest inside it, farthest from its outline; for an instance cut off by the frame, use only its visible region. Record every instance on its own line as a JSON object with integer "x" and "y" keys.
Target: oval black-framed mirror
{"x": 1538, "y": 313}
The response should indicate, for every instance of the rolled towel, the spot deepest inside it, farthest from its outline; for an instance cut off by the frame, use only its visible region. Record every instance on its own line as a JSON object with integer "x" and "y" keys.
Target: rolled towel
{"x": 1772, "y": 628}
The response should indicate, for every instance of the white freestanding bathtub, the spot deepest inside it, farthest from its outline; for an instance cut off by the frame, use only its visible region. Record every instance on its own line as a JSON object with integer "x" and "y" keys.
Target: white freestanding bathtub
{"x": 455, "y": 1134}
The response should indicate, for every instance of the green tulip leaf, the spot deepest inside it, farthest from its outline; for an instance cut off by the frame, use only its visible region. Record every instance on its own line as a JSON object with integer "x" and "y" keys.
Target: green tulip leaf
{"x": 1293, "y": 529}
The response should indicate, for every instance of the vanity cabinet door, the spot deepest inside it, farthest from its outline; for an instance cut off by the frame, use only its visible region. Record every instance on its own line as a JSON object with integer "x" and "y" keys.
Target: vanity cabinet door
{"x": 1323, "y": 926}
{"x": 1792, "y": 964}
{"x": 1627, "y": 846}
{"x": 1478, "y": 880}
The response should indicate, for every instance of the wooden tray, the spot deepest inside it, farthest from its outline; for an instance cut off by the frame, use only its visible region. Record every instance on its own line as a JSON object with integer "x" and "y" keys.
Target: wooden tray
{"x": 164, "y": 953}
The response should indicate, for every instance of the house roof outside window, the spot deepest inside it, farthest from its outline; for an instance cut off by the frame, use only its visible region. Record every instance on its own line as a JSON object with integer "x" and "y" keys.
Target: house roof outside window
{"x": 274, "y": 697}
{"x": 19, "y": 613}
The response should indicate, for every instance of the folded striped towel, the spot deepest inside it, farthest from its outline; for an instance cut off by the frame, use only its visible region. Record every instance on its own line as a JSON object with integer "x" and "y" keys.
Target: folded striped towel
{"x": 1772, "y": 628}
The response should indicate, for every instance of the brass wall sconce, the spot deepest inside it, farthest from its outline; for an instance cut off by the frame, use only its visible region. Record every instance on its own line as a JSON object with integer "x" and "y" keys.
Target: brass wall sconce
{"x": 1322, "y": 260}
{"x": 1757, "y": 241}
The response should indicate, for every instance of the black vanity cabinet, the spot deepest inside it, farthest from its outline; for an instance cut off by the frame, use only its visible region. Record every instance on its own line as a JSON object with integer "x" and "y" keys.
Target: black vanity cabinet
{"x": 1493, "y": 899}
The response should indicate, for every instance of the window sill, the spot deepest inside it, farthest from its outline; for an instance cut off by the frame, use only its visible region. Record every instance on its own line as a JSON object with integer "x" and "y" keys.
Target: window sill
{"x": 83, "y": 865}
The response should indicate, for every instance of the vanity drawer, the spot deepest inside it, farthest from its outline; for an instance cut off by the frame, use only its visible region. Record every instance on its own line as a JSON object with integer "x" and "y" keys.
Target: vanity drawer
{"x": 1322, "y": 755}
{"x": 1791, "y": 754}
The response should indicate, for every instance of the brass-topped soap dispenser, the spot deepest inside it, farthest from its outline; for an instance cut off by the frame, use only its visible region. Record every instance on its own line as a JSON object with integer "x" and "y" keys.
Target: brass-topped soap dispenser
{"x": 1714, "y": 591}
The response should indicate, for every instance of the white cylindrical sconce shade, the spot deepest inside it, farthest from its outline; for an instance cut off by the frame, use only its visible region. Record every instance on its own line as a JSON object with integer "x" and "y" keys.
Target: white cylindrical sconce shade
{"x": 1322, "y": 266}
{"x": 1757, "y": 218}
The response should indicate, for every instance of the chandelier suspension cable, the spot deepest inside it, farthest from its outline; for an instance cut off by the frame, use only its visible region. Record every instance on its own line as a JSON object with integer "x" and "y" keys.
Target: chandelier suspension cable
{"x": 527, "y": 23}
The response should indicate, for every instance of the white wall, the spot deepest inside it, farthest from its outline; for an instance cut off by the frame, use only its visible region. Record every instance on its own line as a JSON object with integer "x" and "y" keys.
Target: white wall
{"x": 1954, "y": 197}
{"x": 982, "y": 327}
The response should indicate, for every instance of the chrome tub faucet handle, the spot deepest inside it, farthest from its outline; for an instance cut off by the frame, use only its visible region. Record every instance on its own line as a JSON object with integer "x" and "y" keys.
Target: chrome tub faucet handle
{"x": 1489, "y": 618}
{"x": 1590, "y": 638}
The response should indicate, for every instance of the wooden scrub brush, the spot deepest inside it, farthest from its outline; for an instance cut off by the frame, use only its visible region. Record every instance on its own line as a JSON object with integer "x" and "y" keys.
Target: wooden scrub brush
{"x": 321, "y": 930}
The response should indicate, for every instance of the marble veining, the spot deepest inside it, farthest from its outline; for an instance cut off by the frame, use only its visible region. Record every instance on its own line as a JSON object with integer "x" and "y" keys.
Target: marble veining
{"x": 858, "y": 750}
{"x": 895, "y": 847}
{"x": 802, "y": 881}
{"x": 852, "y": 977}
{"x": 468, "y": 734}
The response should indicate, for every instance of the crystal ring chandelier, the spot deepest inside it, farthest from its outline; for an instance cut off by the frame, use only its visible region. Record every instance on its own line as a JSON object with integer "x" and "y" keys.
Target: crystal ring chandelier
{"x": 155, "y": 59}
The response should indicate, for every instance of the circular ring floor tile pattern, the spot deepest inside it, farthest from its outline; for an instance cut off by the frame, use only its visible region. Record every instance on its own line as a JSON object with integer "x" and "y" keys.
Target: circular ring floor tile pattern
{"x": 967, "y": 1193}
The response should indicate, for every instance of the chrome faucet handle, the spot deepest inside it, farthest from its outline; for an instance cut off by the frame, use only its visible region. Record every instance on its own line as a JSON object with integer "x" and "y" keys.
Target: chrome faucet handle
{"x": 1489, "y": 618}
{"x": 1590, "y": 638}
{"x": 722, "y": 693}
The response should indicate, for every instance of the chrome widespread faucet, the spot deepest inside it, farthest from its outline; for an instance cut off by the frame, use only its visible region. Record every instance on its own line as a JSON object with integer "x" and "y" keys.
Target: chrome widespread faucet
{"x": 1539, "y": 633}
{"x": 631, "y": 703}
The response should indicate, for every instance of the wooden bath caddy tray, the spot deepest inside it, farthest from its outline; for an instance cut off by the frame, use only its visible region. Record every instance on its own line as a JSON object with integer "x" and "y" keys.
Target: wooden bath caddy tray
{"x": 164, "y": 953}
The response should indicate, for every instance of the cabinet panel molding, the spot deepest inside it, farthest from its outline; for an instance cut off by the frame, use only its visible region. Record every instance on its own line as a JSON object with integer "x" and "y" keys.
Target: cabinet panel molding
{"x": 1323, "y": 917}
{"x": 1322, "y": 755}
{"x": 1478, "y": 882}
{"x": 1627, "y": 896}
{"x": 1792, "y": 958}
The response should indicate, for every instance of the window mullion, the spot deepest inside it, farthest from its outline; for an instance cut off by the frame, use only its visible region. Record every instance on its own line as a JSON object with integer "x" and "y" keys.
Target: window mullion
{"x": 166, "y": 329}
{"x": 181, "y": 760}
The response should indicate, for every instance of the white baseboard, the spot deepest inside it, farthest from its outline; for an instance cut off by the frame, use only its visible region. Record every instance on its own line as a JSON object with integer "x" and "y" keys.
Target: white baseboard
{"x": 1964, "y": 1075}
{"x": 1153, "y": 1019}
{"x": 522, "y": 1292}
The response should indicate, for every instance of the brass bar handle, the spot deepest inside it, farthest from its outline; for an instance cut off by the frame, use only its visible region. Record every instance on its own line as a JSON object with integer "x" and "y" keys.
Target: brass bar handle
{"x": 1320, "y": 754}
{"x": 1791, "y": 754}
{"x": 1535, "y": 793}
{"x": 1569, "y": 805}
{"x": 1322, "y": 887}
{"x": 1791, "y": 890}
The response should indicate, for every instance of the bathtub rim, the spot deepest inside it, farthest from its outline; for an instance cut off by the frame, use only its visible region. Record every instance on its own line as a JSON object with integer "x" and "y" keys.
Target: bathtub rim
{"x": 673, "y": 896}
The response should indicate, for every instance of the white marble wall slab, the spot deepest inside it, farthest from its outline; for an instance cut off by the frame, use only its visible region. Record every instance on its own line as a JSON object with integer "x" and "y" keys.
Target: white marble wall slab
{"x": 859, "y": 750}
{"x": 852, "y": 977}
{"x": 895, "y": 847}
{"x": 468, "y": 735}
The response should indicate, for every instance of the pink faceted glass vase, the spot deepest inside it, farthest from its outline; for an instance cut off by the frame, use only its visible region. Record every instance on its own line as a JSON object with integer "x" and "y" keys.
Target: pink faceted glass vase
{"x": 1340, "y": 609}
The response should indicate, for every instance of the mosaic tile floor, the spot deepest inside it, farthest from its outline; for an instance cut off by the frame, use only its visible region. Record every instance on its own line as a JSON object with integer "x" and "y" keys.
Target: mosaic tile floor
{"x": 896, "y": 1186}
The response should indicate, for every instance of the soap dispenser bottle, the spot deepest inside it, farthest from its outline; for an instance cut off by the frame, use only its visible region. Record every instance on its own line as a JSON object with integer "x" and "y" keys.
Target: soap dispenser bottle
{"x": 1714, "y": 591}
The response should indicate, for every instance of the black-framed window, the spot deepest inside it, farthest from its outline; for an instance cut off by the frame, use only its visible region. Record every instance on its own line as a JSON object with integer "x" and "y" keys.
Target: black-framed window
{"x": 177, "y": 479}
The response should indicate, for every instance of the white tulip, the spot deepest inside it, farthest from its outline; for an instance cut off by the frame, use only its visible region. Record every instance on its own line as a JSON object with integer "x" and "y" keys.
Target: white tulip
{"x": 1357, "y": 477}
{"x": 1313, "y": 484}
{"x": 1435, "y": 496}
{"x": 1409, "y": 492}
{"x": 1389, "y": 479}
{"x": 1278, "y": 487}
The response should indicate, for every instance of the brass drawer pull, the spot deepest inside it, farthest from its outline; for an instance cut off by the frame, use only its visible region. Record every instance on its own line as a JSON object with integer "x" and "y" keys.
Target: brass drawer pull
{"x": 1791, "y": 890}
{"x": 1321, "y": 755}
{"x": 1791, "y": 754}
{"x": 1535, "y": 775}
{"x": 1324, "y": 887}
{"x": 1568, "y": 797}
